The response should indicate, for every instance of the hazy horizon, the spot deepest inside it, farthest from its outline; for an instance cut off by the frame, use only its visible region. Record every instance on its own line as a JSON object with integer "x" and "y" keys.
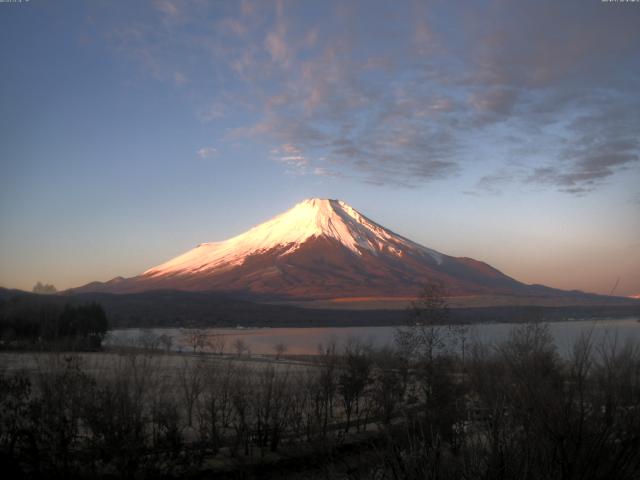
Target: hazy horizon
{"x": 133, "y": 132}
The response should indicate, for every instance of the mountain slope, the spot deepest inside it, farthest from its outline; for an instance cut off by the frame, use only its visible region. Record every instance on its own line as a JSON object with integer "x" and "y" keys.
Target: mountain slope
{"x": 320, "y": 249}
{"x": 286, "y": 233}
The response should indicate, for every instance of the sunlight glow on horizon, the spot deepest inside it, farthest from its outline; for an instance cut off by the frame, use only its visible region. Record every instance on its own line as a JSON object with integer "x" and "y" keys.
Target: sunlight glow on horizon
{"x": 133, "y": 132}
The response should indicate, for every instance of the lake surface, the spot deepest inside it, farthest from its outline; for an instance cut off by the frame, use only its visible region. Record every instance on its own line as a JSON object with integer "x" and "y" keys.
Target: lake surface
{"x": 299, "y": 341}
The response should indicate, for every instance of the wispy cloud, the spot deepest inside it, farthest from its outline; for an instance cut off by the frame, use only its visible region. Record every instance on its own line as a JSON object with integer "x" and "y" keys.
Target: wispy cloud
{"x": 206, "y": 152}
{"x": 297, "y": 163}
{"x": 405, "y": 94}
{"x": 179, "y": 78}
{"x": 276, "y": 41}
{"x": 168, "y": 8}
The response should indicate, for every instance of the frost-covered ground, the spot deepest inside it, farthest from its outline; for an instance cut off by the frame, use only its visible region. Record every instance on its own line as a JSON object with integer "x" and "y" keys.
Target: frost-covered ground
{"x": 100, "y": 364}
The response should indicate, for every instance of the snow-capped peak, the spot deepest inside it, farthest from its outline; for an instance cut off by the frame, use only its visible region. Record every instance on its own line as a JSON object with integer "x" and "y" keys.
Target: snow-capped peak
{"x": 314, "y": 217}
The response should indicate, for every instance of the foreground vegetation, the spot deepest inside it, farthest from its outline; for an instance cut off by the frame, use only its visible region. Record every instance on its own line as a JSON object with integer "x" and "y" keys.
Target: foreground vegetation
{"x": 516, "y": 410}
{"x": 433, "y": 406}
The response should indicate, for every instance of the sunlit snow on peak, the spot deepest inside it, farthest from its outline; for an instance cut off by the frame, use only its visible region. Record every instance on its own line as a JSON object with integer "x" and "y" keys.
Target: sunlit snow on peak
{"x": 311, "y": 218}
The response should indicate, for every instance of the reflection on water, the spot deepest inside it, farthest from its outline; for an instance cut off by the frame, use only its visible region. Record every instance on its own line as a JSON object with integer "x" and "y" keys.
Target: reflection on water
{"x": 307, "y": 340}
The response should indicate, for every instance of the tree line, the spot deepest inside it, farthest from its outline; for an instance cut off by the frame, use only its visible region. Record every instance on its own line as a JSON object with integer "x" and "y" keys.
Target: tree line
{"x": 32, "y": 322}
{"x": 432, "y": 405}
{"x": 515, "y": 411}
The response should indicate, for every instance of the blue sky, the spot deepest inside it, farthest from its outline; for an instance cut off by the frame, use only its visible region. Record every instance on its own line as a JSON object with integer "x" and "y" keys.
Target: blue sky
{"x": 504, "y": 131}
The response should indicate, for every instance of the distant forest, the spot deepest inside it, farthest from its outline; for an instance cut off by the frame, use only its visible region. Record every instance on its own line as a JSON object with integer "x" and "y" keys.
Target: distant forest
{"x": 30, "y": 321}
{"x": 173, "y": 308}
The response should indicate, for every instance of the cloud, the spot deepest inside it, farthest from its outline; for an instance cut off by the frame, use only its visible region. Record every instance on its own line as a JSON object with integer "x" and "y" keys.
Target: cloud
{"x": 290, "y": 149}
{"x": 206, "y": 152}
{"x": 168, "y": 8}
{"x": 45, "y": 288}
{"x": 297, "y": 163}
{"x": 212, "y": 112}
{"x": 394, "y": 94}
{"x": 295, "y": 160}
{"x": 292, "y": 157}
{"x": 493, "y": 183}
{"x": 498, "y": 101}
{"x": 276, "y": 41}
{"x": 179, "y": 78}
{"x": 277, "y": 46}
{"x": 605, "y": 141}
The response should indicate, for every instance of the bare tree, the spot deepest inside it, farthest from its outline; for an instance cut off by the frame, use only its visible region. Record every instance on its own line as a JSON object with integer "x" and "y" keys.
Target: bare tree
{"x": 148, "y": 339}
{"x": 58, "y": 411}
{"x": 426, "y": 336}
{"x": 326, "y": 383}
{"x": 191, "y": 385}
{"x": 353, "y": 379}
{"x": 196, "y": 339}
{"x": 459, "y": 333}
{"x": 240, "y": 346}
{"x": 390, "y": 378}
{"x": 271, "y": 402}
{"x": 217, "y": 343}
{"x": 215, "y": 409}
{"x": 280, "y": 349}
{"x": 119, "y": 413}
{"x": 166, "y": 341}
{"x": 241, "y": 389}
{"x": 300, "y": 403}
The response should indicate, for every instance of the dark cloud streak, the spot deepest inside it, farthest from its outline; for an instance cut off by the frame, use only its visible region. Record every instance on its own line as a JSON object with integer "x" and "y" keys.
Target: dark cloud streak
{"x": 398, "y": 94}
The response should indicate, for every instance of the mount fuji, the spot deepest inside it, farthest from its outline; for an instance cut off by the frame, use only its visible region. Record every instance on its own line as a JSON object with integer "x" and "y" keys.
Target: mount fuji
{"x": 320, "y": 249}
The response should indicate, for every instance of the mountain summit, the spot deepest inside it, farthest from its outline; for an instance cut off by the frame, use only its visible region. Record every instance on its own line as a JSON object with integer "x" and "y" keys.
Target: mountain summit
{"x": 309, "y": 220}
{"x": 319, "y": 249}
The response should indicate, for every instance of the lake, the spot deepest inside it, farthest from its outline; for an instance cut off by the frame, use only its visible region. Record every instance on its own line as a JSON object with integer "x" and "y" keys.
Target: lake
{"x": 300, "y": 341}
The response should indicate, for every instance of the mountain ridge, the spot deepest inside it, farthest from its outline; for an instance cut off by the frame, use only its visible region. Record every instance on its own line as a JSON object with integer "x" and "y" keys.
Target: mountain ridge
{"x": 321, "y": 249}
{"x": 171, "y": 308}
